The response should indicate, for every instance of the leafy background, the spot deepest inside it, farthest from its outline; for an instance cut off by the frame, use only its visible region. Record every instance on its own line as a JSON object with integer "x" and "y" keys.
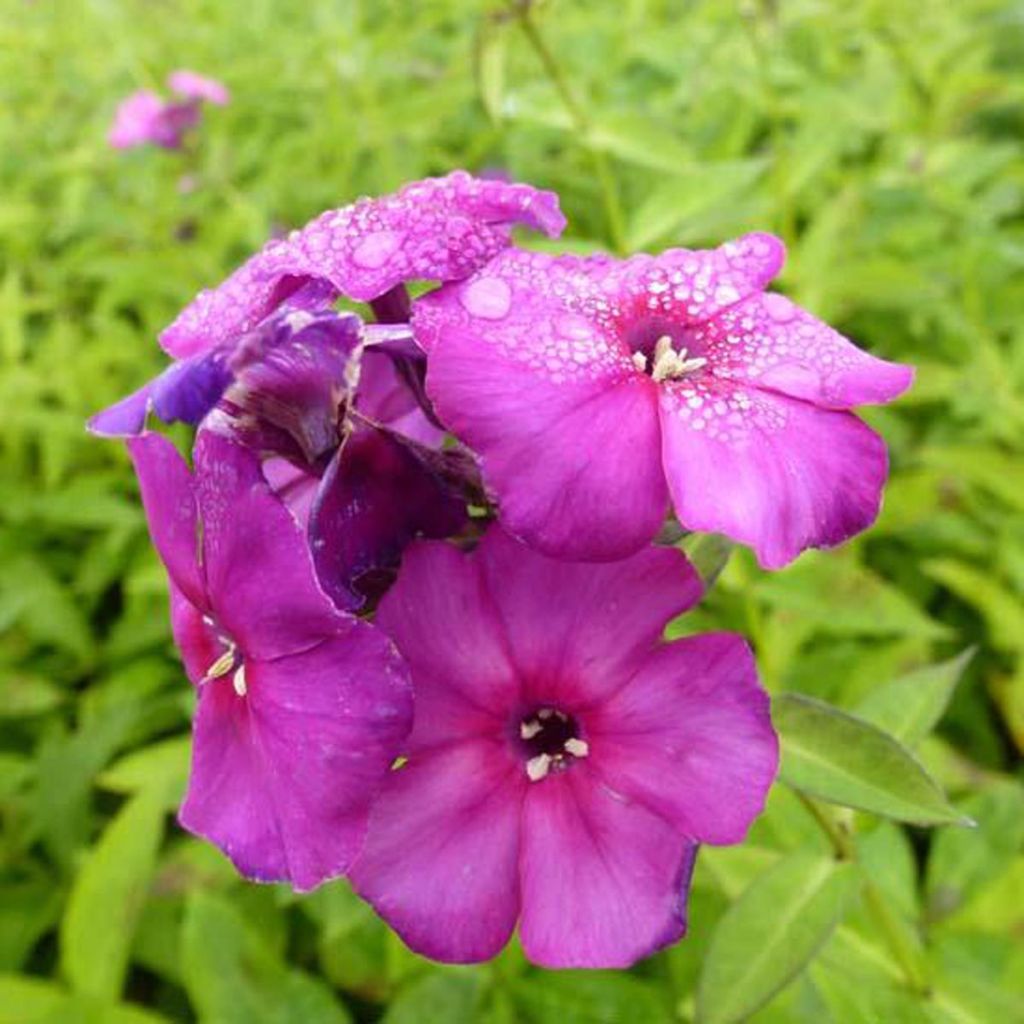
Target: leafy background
{"x": 882, "y": 140}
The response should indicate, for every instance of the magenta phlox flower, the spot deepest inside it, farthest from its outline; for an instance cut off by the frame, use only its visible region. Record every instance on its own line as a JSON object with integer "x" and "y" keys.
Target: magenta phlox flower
{"x": 595, "y": 389}
{"x": 145, "y": 119}
{"x": 302, "y": 709}
{"x": 564, "y": 762}
{"x": 438, "y": 229}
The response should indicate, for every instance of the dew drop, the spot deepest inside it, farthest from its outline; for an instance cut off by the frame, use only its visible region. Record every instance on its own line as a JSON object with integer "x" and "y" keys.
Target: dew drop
{"x": 778, "y": 307}
{"x": 490, "y": 298}
{"x": 376, "y": 249}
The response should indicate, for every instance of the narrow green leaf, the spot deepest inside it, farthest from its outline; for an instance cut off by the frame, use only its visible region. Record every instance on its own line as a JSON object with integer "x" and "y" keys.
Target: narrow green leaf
{"x": 911, "y": 706}
{"x": 709, "y": 553}
{"x": 489, "y": 65}
{"x": 162, "y": 765}
{"x": 770, "y": 934}
{"x": 1002, "y": 611}
{"x": 107, "y": 897}
{"x": 843, "y": 759}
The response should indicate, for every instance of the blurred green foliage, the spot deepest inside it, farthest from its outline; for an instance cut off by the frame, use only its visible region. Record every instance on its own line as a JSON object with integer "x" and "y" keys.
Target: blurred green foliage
{"x": 880, "y": 138}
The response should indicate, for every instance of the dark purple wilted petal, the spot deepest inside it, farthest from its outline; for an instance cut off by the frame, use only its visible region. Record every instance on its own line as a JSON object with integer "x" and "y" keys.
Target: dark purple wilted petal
{"x": 376, "y": 496}
{"x": 439, "y": 229}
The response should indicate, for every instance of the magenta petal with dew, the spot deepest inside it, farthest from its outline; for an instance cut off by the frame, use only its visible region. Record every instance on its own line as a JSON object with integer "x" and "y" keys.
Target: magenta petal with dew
{"x": 690, "y": 737}
{"x": 289, "y": 757}
{"x": 259, "y": 570}
{"x": 769, "y": 471}
{"x": 604, "y": 880}
{"x": 443, "y": 620}
{"x": 440, "y": 859}
{"x": 169, "y": 499}
{"x": 439, "y": 229}
{"x": 576, "y": 630}
{"x": 769, "y": 342}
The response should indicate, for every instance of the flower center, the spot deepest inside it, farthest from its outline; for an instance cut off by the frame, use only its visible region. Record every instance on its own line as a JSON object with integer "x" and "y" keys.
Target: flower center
{"x": 666, "y": 362}
{"x": 550, "y": 741}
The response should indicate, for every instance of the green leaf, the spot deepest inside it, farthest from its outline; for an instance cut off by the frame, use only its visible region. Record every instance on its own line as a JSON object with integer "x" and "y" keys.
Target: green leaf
{"x": 834, "y": 755}
{"x": 709, "y": 553}
{"x": 1002, "y": 611}
{"x": 32, "y": 1001}
{"x": 163, "y": 765}
{"x": 910, "y": 707}
{"x": 587, "y": 997}
{"x": 232, "y": 977}
{"x": 489, "y": 64}
{"x": 107, "y": 898}
{"x": 770, "y": 934}
{"x": 22, "y": 695}
{"x": 27, "y": 911}
{"x": 441, "y": 997}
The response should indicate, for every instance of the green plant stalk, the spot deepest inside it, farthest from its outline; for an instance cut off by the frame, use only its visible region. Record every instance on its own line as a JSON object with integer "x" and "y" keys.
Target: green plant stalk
{"x": 907, "y": 956}
{"x": 578, "y": 113}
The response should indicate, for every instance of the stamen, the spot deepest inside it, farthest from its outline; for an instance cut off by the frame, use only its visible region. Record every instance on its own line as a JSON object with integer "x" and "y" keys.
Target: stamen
{"x": 537, "y": 767}
{"x": 577, "y": 747}
{"x": 530, "y": 729}
{"x": 545, "y": 713}
{"x": 239, "y": 681}
{"x": 222, "y": 666}
{"x": 671, "y": 365}
{"x": 640, "y": 361}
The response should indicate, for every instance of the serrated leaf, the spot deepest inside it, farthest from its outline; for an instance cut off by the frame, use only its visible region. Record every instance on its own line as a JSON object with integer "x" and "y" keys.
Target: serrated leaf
{"x": 843, "y": 759}
{"x": 107, "y": 897}
{"x": 770, "y": 934}
{"x": 909, "y": 708}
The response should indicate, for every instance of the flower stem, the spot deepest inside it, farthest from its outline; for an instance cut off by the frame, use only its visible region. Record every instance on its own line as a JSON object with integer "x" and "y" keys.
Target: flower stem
{"x": 906, "y": 954}
{"x": 581, "y": 119}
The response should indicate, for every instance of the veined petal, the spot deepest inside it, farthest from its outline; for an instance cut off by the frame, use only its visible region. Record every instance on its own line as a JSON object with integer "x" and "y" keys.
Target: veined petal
{"x": 440, "y": 859}
{"x": 284, "y": 773}
{"x": 604, "y": 880}
{"x": 690, "y": 737}
{"x": 438, "y": 229}
{"x": 769, "y": 342}
{"x": 767, "y": 470}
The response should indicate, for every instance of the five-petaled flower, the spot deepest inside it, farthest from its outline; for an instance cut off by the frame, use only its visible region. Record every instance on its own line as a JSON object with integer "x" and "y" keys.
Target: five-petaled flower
{"x": 593, "y": 389}
{"x": 302, "y": 709}
{"x": 564, "y": 762}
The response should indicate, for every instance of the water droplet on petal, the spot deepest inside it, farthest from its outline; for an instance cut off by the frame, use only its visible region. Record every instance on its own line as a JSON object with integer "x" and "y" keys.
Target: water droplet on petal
{"x": 778, "y": 307}
{"x": 376, "y": 249}
{"x": 490, "y": 298}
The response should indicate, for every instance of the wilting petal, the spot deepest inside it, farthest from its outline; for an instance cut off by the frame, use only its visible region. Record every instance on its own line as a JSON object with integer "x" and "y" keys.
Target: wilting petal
{"x": 440, "y": 859}
{"x": 258, "y": 567}
{"x": 193, "y": 86}
{"x": 595, "y": 622}
{"x": 771, "y": 343}
{"x": 443, "y": 620}
{"x": 283, "y": 777}
{"x": 690, "y": 737}
{"x": 169, "y": 500}
{"x": 375, "y": 497}
{"x": 565, "y": 428}
{"x": 769, "y": 471}
{"x": 437, "y": 229}
{"x": 604, "y": 880}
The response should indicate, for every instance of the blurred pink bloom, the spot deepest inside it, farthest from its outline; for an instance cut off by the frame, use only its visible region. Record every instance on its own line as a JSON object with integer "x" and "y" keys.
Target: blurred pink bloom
{"x": 193, "y": 86}
{"x": 144, "y": 119}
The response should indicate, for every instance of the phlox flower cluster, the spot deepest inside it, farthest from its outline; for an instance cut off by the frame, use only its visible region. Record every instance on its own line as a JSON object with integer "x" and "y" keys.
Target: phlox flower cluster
{"x": 414, "y": 575}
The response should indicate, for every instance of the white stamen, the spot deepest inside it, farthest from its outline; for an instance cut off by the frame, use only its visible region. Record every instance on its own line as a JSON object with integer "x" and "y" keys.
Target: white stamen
{"x": 545, "y": 713}
{"x": 671, "y": 365}
{"x": 640, "y": 361}
{"x": 222, "y": 666}
{"x": 537, "y": 767}
{"x": 576, "y": 747}
{"x": 530, "y": 729}
{"x": 239, "y": 681}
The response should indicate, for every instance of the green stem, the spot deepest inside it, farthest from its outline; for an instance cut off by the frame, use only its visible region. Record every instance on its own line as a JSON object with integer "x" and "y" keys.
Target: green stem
{"x": 906, "y": 954}
{"x": 583, "y": 124}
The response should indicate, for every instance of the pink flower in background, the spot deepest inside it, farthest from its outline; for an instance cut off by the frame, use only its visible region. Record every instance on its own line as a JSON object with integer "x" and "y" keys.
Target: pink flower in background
{"x": 145, "y": 119}
{"x": 594, "y": 390}
{"x": 302, "y": 709}
{"x": 192, "y": 86}
{"x": 564, "y": 762}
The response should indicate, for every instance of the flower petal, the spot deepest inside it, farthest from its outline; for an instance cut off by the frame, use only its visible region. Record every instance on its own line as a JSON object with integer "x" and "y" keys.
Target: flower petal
{"x": 443, "y": 621}
{"x": 440, "y": 859}
{"x": 766, "y": 470}
{"x": 197, "y": 640}
{"x": 283, "y": 777}
{"x": 169, "y": 500}
{"x": 690, "y": 737}
{"x": 604, "y": 880}
{"x": 193, "y": 86}
{"x": 436, "y": 229}
{"x": 259, "y": 571}
{"x": 593, "y": 624}
{"x": 375, "y": 497}
{"x": 769, "y": 342}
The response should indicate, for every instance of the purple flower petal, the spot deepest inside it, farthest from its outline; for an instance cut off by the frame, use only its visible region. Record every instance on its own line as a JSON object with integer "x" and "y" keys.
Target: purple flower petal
{"x": 690, "y": 737}
{"x": 437, "y": 229}
{"x": 193, "y": 86}
{"x": 604, "y": 880}
{"x": 283, "y": 777}
{"x": 143, "y": 118}
{"x": 375, "y": 497}
{"x": 440, "y": 860}
{"x": 767, "y": 470}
